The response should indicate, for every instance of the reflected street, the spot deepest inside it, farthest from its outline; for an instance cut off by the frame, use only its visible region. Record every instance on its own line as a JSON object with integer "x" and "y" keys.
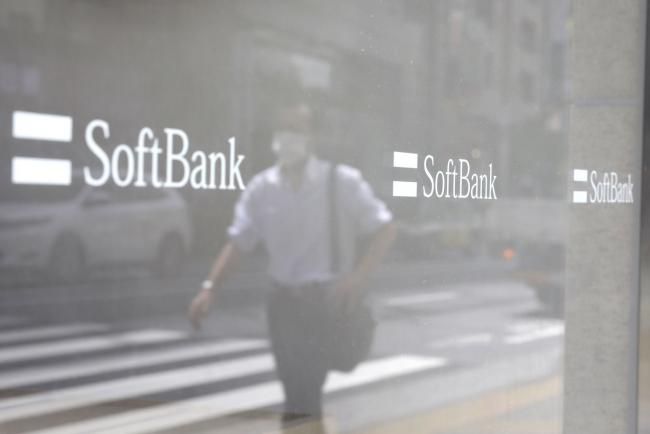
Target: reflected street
{"x": 481, "y": 344}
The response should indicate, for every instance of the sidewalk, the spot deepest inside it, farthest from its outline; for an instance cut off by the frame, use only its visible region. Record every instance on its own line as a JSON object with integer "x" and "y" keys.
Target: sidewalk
{"x": 533, "y": 408}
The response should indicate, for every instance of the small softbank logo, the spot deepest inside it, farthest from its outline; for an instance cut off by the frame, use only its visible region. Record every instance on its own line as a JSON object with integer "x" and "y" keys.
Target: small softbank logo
{"x": 456, "y": 180}
{"x": 125, "y": 165}
{"x": 602, "y": 188}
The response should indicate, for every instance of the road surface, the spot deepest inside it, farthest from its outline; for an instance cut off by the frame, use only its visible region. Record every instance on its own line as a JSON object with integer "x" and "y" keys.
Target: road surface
{"x": 473, "y": 355}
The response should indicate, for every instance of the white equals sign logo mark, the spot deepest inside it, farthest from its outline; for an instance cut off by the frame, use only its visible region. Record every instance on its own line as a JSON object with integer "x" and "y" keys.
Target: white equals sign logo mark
{"x": 406, "y": 160}
{"x": 47, "y": 127}
{"x": 580, "y": 175}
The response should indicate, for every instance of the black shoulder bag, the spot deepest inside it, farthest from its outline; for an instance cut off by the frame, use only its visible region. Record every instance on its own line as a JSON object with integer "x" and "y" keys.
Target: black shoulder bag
{"x": 351, "y": 330}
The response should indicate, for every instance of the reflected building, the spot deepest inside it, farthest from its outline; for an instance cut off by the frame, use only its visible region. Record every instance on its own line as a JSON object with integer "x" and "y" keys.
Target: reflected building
{"x": 485, "y": 80}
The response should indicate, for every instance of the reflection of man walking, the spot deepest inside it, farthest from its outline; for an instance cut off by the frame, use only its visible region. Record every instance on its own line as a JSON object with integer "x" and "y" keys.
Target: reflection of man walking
{"x": 286, "y": 208}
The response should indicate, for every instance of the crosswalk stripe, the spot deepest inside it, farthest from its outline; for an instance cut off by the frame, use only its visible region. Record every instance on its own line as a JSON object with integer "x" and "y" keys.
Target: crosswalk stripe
{"x": 177, "y": 414}
{"x": 544, "y": 332}
{"x": 93, "y": 394}
{"x": 150, "y": 358}
{"x": 418, "y": 299}
{"x": 49, "y": 332}
{"x": 463, "y": 341}
{"x": 87, "y": 344}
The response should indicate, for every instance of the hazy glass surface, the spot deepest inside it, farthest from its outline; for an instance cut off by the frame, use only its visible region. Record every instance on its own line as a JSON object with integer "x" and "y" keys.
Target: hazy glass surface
{"x": 96, "y": 279}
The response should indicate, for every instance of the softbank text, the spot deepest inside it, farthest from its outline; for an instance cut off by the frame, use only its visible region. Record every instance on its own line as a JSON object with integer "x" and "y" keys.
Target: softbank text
{"x": 608, "y": 189}
{"x": 458, "y": 180}
{"x": 126, "y": 165}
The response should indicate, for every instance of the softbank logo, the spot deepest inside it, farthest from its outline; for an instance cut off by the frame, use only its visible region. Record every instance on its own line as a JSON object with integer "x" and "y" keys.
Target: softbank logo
{"x": 602, "y": 188}
{"x": 405, "y": 160}
{"x": 125, "y": 165}
{"x": 457, "y": 179}
{"x": 50, "y": 128}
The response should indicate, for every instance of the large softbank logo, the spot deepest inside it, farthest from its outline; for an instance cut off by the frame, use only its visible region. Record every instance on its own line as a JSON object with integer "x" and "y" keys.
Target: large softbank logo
{"x": 455, "y": 179}
{"x": 124, "y": 165}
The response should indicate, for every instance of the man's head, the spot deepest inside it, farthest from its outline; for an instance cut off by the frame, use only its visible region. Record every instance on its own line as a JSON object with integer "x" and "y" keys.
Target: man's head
{"x": 292, "y": 137}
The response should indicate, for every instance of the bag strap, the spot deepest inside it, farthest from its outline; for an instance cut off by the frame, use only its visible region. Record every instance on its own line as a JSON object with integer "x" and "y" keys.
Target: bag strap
{"x": 333, "y": 220}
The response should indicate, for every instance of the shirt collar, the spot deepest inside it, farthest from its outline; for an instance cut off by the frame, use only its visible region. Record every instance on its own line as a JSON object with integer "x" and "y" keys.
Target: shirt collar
{"x": 312, "y": 167}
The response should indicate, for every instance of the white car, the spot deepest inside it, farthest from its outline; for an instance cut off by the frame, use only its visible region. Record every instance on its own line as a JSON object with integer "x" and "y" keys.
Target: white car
{"x": 65, "y": 231}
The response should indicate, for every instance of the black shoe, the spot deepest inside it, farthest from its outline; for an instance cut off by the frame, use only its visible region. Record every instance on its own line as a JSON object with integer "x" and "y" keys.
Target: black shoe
{"x": 296, "y": 423}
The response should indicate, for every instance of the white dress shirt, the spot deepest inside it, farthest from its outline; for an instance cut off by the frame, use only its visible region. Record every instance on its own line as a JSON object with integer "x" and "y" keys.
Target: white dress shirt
{"x": 293, "y": 223}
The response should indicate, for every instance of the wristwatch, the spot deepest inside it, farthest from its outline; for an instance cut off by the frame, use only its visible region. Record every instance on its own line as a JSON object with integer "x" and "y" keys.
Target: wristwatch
{"x": 207, "y": 285}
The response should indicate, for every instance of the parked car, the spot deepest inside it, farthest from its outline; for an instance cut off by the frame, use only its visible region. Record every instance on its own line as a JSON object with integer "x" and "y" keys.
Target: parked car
{"x": 444, "y": 228}
{"x": 66, "y": 231}
{"x": 533, "y": 232}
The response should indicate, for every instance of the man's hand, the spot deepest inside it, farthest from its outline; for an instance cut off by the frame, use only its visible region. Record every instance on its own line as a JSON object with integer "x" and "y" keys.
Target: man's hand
{"x": 200, "y": 307}
{"x": 348, "y": 290}
{"x": 203, "y": 301}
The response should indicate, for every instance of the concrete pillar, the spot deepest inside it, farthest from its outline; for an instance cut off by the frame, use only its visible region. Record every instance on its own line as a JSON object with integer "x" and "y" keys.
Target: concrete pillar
{"x": 606, "y": 106}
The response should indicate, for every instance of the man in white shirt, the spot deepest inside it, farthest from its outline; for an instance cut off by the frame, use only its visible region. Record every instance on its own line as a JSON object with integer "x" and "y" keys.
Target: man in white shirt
{"x": 286, "y": 207}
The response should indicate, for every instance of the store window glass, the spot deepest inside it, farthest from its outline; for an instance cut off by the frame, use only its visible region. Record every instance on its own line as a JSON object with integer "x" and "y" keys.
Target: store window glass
{"x": 336, "y": 216}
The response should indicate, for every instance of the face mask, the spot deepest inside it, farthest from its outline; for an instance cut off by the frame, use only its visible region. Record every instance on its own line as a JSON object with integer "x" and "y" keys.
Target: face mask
{"x": 289, "y": 147}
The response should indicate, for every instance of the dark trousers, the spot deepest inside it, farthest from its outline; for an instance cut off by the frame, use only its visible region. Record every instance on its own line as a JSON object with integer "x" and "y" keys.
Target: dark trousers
{"x": 297, "y": 322}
